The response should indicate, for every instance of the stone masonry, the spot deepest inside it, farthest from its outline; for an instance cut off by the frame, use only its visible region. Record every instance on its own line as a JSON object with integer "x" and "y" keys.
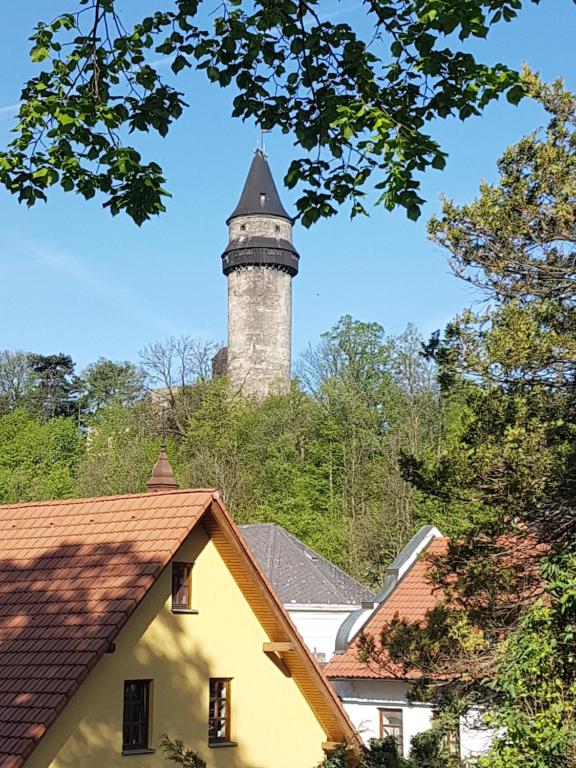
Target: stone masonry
{"x": 259, "y": 330}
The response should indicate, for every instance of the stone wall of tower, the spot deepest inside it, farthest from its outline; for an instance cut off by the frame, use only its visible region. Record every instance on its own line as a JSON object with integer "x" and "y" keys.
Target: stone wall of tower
{"x": 259, "y": 330}
{"x": 261, "y": 226}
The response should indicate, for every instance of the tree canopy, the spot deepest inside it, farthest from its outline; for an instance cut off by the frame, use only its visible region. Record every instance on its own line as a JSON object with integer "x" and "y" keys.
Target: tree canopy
{"x": 357, "y": 98}
{"x": 503, "y": 639}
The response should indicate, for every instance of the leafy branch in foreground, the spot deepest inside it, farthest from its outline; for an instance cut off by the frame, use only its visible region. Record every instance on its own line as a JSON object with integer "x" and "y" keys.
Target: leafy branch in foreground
{"x": 176, "y": 752}
{"x": 358, "y": 103}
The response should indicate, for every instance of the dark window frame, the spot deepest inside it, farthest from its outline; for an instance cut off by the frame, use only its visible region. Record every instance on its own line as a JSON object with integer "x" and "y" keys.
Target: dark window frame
{"x": 218, "y": 717}
{"x": 179, "y": 606}
{"x": 400, "y": 736}
{"x": 129, "y": 745}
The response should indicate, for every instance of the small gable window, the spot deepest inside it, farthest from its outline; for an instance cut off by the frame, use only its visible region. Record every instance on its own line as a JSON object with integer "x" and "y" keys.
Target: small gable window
{"x": 181, "y": 586}
{"x": 219, "y": 712}
{"x": 136, "y": 720}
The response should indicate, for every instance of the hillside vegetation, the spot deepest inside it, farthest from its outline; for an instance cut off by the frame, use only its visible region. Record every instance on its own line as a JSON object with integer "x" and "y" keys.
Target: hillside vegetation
{"x": 324, "y": 460}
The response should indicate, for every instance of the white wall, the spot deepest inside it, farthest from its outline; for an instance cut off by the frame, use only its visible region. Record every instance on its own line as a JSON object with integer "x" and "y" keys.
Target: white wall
{"x": 362, "y": 700}
{"x": 319, "y": 625}
{"x": 475, "y": 738}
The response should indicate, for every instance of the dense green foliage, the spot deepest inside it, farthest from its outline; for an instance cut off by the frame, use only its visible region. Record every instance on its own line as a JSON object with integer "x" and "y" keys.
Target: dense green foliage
{"x": 38, "y": 459}
{"x": 323, "y": 460}
{"x": 536, "y": 682}
{"x": 361, "y": 96}
{"x": 426, "y": 751}
{"x": 504, "y": 640}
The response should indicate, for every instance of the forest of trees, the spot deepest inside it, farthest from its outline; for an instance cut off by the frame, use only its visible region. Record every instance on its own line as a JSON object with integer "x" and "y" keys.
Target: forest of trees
{"x": 324, "y": 460}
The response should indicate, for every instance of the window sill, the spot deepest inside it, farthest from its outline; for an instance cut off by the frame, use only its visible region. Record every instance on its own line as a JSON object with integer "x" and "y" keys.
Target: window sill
{"x": 128, "y": 752}
{"x": 219, "y": 744}
{"x": 184, "y": 610}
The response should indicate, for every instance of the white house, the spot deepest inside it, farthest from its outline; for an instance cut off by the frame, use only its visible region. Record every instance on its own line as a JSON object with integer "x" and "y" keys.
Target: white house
{"x": 376, "y": 699}
{"x": 318, "y": 595}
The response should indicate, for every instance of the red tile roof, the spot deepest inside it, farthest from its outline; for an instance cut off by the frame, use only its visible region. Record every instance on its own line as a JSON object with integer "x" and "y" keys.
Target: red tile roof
{"x": 71, "y": 573}
{"x": 411, "y": 599}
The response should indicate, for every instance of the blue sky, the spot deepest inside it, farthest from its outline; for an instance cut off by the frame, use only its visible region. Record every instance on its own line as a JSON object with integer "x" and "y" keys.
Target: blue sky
{"x": 75, "y": 280}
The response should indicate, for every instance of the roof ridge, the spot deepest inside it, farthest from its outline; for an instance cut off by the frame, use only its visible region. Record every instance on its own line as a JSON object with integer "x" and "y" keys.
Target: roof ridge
{"x": 372, "y": 619}
{"x": 86, "y": 499}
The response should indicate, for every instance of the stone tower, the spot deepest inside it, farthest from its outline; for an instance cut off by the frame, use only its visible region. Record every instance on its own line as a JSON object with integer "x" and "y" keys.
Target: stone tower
{"x": 259, "y": 262}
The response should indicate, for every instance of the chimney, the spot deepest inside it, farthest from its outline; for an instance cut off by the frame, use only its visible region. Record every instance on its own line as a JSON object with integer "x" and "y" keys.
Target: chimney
{"x": 162, "y": 477}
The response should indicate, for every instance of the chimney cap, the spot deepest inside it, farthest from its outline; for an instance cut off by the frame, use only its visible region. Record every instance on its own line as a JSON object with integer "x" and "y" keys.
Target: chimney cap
{"x": 162, "y": 477}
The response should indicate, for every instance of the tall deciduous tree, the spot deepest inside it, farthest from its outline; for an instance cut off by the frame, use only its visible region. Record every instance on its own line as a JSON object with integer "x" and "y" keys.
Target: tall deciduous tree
{"x": 15, "y": 380}
{"x": 361, "y": 96}
{"x": 105, "y": 382}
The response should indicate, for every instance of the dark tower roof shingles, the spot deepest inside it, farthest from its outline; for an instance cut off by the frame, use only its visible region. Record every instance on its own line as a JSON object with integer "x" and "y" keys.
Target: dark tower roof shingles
{"x": 260, "y": 196}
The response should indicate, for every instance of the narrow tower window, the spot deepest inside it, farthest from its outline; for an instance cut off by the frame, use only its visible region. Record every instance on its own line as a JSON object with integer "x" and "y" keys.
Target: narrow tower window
{"x": 262, "y": 199}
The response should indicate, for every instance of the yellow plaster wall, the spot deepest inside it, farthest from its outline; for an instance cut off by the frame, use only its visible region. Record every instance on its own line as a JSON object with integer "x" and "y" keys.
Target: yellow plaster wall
{"x": 271, "y": 721}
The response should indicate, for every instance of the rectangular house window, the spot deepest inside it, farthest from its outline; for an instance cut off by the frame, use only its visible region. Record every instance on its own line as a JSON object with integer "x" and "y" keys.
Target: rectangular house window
{"x": 136, "y": 715}
{"x": 391, "y": 725}
{"x": 219, "y": 712}
{"x": 181, "y": 585}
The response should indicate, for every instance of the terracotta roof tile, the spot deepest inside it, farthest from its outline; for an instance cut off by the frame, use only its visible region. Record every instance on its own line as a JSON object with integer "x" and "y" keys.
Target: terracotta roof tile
{"x": 412, "y": 598}
{"x": 71, "y": 572}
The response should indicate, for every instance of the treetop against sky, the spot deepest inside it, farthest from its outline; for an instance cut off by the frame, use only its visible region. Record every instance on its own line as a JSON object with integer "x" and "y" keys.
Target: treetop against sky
{"x": 94, "y": 279}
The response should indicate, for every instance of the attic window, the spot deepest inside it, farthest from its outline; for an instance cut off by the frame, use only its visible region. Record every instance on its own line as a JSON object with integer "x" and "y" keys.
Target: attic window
{"x": 277, "y": 228}
{"x": 181, "y": 586}
{"x": 262, "y": 199}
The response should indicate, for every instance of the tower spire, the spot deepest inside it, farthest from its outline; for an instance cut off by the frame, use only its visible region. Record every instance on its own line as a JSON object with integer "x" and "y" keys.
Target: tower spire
{"x": 259, "y": 196}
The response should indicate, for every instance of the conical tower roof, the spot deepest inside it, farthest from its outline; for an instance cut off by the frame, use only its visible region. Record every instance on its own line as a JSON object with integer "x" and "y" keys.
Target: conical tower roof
{"x": 162, "y": 477}
{"x": 260, "y": 196}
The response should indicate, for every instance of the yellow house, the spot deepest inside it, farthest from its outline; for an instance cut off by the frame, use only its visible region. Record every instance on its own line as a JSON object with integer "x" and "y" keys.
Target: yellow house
{"x": 129, "y": 617}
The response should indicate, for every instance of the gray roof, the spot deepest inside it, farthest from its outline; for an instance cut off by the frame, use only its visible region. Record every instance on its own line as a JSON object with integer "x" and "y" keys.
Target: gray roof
{"x": 260, "y": 196}
{"x": 299, "y": 574}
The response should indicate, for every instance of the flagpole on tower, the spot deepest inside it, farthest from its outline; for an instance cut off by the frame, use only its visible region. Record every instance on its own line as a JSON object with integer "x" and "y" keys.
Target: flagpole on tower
{"x": 262, "y": 142}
